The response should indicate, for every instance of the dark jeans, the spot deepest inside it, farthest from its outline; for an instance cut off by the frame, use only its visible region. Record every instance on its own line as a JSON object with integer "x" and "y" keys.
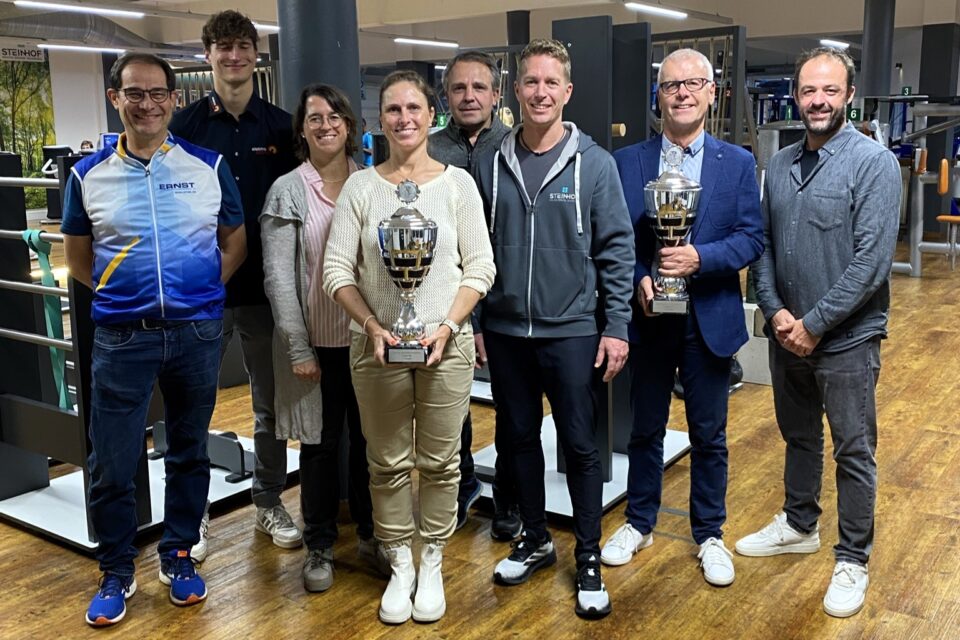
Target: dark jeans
{"x": 504, "y": 495}
{"x": 669, "y": 343}
{"x": 125, "y": 363}
{"x": 254, "y": 324}
{"x": 521, "y": 370}
{"x": 842, "y": 385}
{"x": 320, "y": 463}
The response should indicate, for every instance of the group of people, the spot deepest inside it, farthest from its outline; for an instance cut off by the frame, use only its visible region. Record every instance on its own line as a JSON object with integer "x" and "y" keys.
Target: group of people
{"x": 232, "y": 216}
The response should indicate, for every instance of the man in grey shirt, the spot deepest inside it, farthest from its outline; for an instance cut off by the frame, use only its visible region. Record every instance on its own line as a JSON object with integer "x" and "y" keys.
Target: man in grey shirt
{"x": 471, "y": 83}
{"x": 831, "y": 212}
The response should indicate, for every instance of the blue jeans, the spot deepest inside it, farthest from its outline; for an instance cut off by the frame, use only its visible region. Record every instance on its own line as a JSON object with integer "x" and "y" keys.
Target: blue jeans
{"x": 126, "y": 361}
{"x": 669, "y": 343}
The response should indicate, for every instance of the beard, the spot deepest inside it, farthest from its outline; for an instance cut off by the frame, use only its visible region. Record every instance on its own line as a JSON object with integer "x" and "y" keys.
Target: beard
{"x": 830, "y": 126}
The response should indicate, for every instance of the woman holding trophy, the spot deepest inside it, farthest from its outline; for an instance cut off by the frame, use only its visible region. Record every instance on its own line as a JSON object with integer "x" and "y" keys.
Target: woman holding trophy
{"x": 415, "y": 224}
{"x": 311, "y": 332}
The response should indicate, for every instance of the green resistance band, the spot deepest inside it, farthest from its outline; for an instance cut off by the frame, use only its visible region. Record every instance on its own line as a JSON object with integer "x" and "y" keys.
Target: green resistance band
{"x": 53, "y": 313}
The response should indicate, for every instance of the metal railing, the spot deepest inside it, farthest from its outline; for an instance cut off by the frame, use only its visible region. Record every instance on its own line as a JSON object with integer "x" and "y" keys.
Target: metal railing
{"x": 38, "y": 289}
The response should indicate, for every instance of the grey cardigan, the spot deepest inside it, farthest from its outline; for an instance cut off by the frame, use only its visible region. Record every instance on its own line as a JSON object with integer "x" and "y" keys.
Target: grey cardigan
{"x": 297, "y": 402}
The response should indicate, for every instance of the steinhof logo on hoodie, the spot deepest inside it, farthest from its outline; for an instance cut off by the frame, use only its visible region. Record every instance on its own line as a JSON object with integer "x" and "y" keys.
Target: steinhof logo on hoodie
{"x": 563, "y": 196}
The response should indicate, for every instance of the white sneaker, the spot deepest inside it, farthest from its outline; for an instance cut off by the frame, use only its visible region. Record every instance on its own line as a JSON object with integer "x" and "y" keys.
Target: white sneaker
{"x": 199, "y": 551}
{"x": 716, "y": 562}
{"x": 395, "y": 604}
{"x": 778, "y": 537}
{"x": 278, "y": 524}
{"x": 847, "y": 590}
{"x": 429, "y": 605}
{"x": 621, "y": 546}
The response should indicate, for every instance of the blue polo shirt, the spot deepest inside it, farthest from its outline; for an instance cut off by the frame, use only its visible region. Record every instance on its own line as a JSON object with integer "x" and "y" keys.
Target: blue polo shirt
{"x": 259, "y": 149}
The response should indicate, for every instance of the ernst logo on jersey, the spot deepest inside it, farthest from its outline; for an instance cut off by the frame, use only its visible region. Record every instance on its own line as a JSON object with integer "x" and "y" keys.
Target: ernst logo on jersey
{"x": 563, "y": 196}
{"x": 178, "y": 187}
{"x": 269, "y": 150}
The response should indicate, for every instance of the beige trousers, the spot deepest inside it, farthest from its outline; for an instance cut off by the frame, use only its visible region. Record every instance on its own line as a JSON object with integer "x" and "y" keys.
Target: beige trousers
{"x": 411, "y": 418}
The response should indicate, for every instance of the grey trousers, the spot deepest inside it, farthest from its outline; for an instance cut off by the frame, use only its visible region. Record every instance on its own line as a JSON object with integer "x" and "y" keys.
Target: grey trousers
{"x": 254, "y": 324}
{"x": 842, "y": 385}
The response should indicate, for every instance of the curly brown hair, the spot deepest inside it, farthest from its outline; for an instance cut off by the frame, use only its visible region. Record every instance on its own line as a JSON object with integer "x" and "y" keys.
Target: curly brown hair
{"x": 228, "y": 25}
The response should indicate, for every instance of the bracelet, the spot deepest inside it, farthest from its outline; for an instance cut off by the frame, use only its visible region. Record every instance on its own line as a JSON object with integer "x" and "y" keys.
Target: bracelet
{"x": 365, "y": 321}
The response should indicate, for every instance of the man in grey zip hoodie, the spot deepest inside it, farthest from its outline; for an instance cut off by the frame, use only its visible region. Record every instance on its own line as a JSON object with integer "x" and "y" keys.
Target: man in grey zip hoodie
{"x": 558, "y": 310}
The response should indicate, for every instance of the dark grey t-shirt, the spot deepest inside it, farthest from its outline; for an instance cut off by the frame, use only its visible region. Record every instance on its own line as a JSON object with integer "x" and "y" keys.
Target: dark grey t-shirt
{"x": 535, "y": 166}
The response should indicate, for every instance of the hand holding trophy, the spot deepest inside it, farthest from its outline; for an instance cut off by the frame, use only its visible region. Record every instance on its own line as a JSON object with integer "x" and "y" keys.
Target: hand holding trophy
{"x": 671, "y": 203}
{"x": 407, "y": 239}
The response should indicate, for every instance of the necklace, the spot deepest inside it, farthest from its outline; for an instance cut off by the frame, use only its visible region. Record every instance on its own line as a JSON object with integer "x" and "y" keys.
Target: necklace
{"x": 325, "y": 181}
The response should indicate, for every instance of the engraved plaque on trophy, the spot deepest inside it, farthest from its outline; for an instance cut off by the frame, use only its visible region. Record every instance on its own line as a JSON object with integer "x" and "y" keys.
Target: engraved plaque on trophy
{"x": 407, "y": 239}
{"x": 671, "y": 203}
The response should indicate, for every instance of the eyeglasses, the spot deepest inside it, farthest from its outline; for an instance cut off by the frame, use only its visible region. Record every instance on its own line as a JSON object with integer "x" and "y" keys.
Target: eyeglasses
{"x": 670, "y": 87}
{"x": 136, "y": 96}
{"x": 315, "y": 121}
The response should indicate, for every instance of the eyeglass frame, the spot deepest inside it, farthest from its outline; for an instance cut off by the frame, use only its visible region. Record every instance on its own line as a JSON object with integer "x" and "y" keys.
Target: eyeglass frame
{"x": 146, "y": 92}
{"x": 676, "y": 85}
{"x": 329, "y": 119}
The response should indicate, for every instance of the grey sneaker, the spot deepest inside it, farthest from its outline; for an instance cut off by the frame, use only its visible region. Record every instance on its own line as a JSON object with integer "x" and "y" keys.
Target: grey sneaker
{"x": 318, "y": 570}
{"x": 373, "y": 553}
{"x": 278, "y": 524}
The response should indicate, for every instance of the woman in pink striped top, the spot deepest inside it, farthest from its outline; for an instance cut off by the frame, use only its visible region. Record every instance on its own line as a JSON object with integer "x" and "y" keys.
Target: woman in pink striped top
{"x": 314, "y": 393}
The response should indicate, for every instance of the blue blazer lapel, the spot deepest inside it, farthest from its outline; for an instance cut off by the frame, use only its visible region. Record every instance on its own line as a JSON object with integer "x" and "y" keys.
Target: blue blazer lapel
{"x": 650, "y": 160}
{"x": 709, "y": 172}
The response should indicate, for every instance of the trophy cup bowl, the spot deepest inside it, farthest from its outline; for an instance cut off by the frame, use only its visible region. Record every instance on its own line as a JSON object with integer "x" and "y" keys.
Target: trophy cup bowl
{"x": 671, "y": 204}
{"x": 407, "y": 240}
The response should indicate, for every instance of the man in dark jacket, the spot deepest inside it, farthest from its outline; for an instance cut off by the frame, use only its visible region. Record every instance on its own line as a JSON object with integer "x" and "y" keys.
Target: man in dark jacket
{"x": 726, "y": 237}
{"x": 563, "y": 246}
{"x": 471, "y": 83}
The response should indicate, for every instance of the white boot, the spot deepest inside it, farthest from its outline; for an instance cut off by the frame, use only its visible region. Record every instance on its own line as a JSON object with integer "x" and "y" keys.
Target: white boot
{"x": 429, "y": 605}
{"x": 395, "y": 605}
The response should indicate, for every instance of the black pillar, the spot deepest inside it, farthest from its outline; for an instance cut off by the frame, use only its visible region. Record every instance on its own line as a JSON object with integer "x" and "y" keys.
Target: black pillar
{"x": 518, "y": 34}
{"x": 318, "y": 43}
{"x": 939, "y": 53}
{"x": 632, "y": 81}
{"x": 114, "y": 124}
{"x": 877, "y": 56}
{"x": 590, "y": 44}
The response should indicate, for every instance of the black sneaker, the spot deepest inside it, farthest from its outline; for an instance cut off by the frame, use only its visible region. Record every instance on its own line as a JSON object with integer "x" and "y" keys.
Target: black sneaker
{"x": 506, "y": 525}
{"x": 593, "y": 601}
{"x": 465, "y": 500}
{"x": 528, "y": 555}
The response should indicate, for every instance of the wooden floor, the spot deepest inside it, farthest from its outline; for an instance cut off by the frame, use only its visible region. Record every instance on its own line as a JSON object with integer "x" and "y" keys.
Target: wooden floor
{"x": 255, "y": 588}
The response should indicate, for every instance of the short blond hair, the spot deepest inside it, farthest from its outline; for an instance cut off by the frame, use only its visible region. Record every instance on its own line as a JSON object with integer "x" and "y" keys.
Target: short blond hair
{"x": 545, "y": 47}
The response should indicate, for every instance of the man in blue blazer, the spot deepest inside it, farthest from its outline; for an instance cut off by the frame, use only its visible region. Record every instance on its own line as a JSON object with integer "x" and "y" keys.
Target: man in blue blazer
{"x": 726, "y": 237}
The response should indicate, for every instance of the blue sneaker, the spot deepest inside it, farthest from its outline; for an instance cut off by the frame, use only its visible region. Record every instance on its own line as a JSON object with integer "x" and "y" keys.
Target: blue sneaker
{"x": 186, "y": 585}
{"x": 465, "y": 500}
{"x": 109, "y": 604}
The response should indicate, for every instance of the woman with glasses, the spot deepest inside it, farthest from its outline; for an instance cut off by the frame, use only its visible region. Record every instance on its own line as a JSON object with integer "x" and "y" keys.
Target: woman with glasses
{"x": 436, "y": 394}
{"x": 311, "y": 335}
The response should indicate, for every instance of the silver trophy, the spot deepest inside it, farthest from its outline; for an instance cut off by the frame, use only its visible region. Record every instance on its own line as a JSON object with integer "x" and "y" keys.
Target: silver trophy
{"x": 671, "y": 203}
{"x": 407, "y": 240}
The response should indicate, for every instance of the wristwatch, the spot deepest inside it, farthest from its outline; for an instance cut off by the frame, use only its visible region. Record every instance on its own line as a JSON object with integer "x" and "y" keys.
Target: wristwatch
{"x": 453, "y": 326}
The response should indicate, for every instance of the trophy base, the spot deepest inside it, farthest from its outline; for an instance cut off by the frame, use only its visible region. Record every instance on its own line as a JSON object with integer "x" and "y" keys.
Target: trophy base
{"x": 670, "y": 306}
{"x": 412, "y": 355}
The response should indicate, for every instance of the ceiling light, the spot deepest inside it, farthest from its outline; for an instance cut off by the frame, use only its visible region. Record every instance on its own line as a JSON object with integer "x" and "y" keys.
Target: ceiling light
{"x": 200, "y": 56}
{"x": 839, "y": 44}
{"x": 427, "y": 43}
{"x": 70, "y": 47}
{"x": 656, "y": 10}
{"x": 657, "y": 65}
{"x": 266, "y": 28}
{"x": 79, "y": 8}
{"x": 440, "y": 67}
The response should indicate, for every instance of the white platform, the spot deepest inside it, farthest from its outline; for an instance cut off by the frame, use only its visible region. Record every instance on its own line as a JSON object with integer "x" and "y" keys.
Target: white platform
{"x": 58, "y": 510}
{"x": 754, "y": 356}
{"x": 675, "y": 446}
{"x": 481, "y": 392}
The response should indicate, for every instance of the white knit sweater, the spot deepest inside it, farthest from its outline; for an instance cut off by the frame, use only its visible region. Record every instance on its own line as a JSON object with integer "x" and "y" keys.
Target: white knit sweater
{"x": 462, "y": 256}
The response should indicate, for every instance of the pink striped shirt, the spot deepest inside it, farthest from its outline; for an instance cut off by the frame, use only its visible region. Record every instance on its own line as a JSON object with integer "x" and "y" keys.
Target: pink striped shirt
{"x": 329, "y": 324}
